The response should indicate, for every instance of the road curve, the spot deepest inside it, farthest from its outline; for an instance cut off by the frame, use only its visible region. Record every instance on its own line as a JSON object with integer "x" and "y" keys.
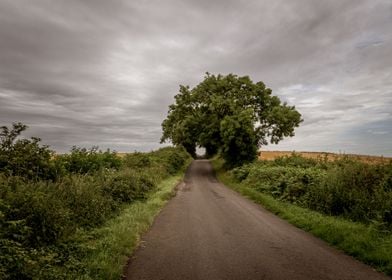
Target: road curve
{"x": 208, "y": 231}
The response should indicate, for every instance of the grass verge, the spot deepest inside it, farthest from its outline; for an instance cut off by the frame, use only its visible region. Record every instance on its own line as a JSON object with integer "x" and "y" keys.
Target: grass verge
{"x": 111, "y": 245}
{"x": 363, "y": 242}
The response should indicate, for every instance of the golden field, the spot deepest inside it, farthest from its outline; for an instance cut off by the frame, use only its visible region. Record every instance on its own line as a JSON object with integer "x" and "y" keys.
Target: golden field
{"x": 271, "y": 155}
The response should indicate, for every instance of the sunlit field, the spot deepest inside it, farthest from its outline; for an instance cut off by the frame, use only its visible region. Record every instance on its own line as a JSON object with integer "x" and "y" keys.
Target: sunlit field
{"x": 271, "y": 155}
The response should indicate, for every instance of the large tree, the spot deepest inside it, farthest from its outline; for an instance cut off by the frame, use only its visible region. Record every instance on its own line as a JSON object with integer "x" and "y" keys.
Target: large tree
{"x": 230, "y": 114}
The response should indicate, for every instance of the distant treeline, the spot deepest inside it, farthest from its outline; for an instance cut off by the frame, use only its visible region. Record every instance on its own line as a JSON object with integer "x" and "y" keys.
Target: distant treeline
{"x": 46, "y": 199}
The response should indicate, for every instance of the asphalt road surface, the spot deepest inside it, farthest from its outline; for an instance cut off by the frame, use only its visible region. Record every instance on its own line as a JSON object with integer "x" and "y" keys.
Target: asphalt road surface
{"x": 208, "y": 231}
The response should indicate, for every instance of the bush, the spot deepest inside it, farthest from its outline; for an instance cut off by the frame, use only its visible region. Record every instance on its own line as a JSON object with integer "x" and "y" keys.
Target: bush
{"x": 352, "y": 189}
{"x": 35, "y": 216}
{"x": 86, "y": 199}
{"x": 24, "y": 157}
{"x": 137, "y": 160}
{"x": 173, "y": 159}
{"x": 45, "y": 200}
{"x": 129, "y": 185}
{"x": 83, "y": 161}
{"x": 166, "y": 161}
{"x": 297, "y": 160}
{"x": 355, "y": 190}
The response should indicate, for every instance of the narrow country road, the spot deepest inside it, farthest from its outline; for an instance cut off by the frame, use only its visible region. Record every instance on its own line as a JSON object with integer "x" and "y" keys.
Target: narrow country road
{"x": 208, "y": 231}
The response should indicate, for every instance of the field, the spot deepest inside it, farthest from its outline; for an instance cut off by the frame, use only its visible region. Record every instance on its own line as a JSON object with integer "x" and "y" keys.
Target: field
{"x": 271, "y": 155}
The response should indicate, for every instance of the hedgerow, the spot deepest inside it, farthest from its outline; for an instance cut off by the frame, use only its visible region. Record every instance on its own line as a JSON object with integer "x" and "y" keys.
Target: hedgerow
{"x": 46, "y": 199}
{"x": 355, "y": 190}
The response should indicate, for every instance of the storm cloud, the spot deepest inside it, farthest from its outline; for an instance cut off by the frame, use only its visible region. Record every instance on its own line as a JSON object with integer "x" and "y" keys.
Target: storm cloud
{"x": 104, "y": 72}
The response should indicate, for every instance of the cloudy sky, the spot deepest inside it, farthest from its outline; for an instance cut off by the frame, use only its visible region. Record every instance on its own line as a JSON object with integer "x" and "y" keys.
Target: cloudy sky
{"x": 104, "y": 72}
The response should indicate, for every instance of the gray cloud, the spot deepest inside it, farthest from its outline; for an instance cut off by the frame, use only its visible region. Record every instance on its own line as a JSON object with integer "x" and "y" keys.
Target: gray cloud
{"x": 104, "y": 72}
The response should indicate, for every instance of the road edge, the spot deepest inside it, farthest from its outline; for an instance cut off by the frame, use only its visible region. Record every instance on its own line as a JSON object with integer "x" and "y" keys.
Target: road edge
{"x": 339, "y": 233}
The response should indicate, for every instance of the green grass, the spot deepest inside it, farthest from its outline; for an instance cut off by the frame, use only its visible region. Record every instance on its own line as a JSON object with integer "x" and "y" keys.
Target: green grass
{"x": 363, "y": 242}
{"x": 111, "y": 245}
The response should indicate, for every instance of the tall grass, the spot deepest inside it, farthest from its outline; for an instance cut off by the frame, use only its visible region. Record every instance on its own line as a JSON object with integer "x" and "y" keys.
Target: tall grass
{"x": 114, "y": 242}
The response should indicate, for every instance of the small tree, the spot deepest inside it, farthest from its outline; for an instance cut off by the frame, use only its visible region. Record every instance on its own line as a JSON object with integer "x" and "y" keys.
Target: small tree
{"x": 231, "y": 114}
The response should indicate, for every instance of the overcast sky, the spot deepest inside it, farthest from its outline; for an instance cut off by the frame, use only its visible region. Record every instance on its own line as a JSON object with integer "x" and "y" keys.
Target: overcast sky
{"x": 104, "y": 72}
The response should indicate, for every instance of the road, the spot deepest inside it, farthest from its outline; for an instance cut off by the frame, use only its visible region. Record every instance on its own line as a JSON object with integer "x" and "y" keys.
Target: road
{"x": 208, "y": 231}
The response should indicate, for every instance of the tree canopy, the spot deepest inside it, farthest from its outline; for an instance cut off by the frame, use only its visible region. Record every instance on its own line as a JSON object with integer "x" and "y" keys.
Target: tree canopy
{"x": 230, "y": 114}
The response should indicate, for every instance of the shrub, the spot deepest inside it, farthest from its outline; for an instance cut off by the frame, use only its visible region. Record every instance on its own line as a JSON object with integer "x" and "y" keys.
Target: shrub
{"x": 83, "y": 161}
{"x": 24, "y": 157}
{"x": 129, "y": 185}
{"x": 171, "y": 158}
{"x": 85, "y": 197}
{"x": 355, "y": 190}
{"x": 35, "y": 216}
{"x": 45, "y": 199}
{"x": 296, "y": 160}
{"x": 241, "y": 173}
{"x": 166, "y": 161}
{"x": 137, "y": 160}
{"x": 346, "y": 187}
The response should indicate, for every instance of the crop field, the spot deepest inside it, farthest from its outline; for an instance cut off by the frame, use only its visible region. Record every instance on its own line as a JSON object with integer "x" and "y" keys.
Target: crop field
{"x": 272, "y": 155}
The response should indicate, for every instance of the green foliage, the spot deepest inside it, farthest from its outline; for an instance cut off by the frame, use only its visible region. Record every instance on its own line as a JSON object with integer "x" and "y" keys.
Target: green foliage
{"x": 238, "y": 138}
{"x": 24, "y": 157}
{"x": 296, "y": 160}
{"x": 163, "y": 160}
{"x": 128, "y": 185}
{"x": 39, "y": 217}
{"x": 83, "y": 161}
{"x": 41, "y": 214}
{"x": 172, "y": 162}
{"x": 116, "y": 240}
{"x": 137, "y": 160}
{"x": 369, "y": 243}
{"x": 352, "y": 189}
{"x": 230, "y": 113}
{"x": 84, "y": 196}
